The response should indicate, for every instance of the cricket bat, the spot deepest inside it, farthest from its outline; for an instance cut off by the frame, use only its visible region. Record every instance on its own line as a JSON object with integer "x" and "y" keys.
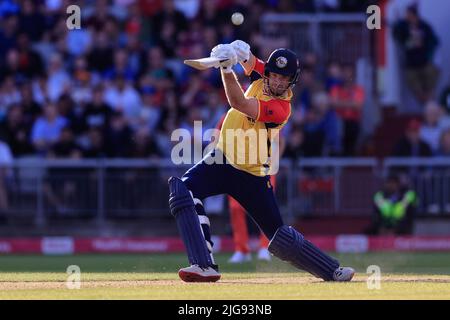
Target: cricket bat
{"x": 204, "y": 63}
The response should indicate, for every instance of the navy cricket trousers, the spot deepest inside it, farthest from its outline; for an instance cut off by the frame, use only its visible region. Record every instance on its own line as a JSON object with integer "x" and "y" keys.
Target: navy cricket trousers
{"x": 254, "y": 193}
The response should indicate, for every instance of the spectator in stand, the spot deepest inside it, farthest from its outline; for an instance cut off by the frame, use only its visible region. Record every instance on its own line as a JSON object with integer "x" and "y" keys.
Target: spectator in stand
{"x": 144, "y": 145}
{"x": 39, "y": 90}
{"x": 348, "y": 100}
{"x": 59, "y": 81}
{"x": 411, "y": 145}
{"x": 65, "y": 147}
{"x": 307, "y": 89}
{"x": 168, "y": 124}
{"x": 9, "y": 94}
{"x": 95, "y": 146}
{"x": 134, "y": 21}
{"x": 314, "y": 141}
{"x": 69, "y": 111}
{"x": 83, "y": 81}
{"x": 30, "y": 62}
{"x": 78, "y": 41}
{"x": 47, "y": 129}
{"x": 334, "y": 76}
{"x": 167, "y": 40}
{"x": 97, "y": 113}
{"x": 394, "y": 209}
{"x": 118, "y": 137}
{"x": 31, "y": 20}
{"x": 10, "y": 68}
{"x": 136, "y": 55}
{"x": 195, "y": 94}
{"x": 329, "y": 123}
{"x": 209, "y": 37}
{"x": 99, "y": 13}
{"x": 16, "y": 131}
{"x": 59, "y": 41}
{"x": 31, "y": 109}
{"x": 210, "y": 13}
{"x": 121, "y": 67}
{"x": 168, "y": 13}
{"x": 9, "y": 27}
{"x": 123, "y": 97}
{"x": 150, "y": 113}
{"x": 100, "y": 58}
{"x": 321, "y": 128}
{"x": 431, "y": 129}
{"x": 156, "y": 68}
{"x": 418, "y": 43}
{"x": 226, "y": 32}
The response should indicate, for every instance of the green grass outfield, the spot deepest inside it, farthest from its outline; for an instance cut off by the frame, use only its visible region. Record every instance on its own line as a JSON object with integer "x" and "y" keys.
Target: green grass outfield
{"x": 404, "y": 276}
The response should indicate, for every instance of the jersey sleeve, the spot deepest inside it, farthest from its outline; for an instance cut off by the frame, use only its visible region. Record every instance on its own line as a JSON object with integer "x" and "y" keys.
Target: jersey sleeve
{"x": 257, "y": 67}
{"x": 273, "y": 111}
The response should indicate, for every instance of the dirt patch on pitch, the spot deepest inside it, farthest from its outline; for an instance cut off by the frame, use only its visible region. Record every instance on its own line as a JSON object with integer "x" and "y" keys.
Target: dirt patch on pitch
{"x": 39, "y": 285}
{"x": 357, "y": 279}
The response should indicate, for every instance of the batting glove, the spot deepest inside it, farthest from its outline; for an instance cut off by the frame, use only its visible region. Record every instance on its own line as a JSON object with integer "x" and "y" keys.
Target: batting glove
{"x": 225, "y": 52}
{"x": 242, "y": 50}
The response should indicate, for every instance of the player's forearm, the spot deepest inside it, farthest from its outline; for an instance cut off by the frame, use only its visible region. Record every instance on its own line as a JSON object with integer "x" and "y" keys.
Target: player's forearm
{"x": 236, "y": 98}
{"x": 249, "y": 64}
{"x": 233, "y": 90}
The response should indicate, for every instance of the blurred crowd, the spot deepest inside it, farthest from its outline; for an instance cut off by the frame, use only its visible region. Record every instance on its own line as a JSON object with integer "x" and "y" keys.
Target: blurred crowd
{"x": 417, "y": 44}
{"x": 117, "y": 87}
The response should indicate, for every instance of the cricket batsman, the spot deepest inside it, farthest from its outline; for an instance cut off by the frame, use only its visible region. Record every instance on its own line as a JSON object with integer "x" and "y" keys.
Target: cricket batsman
{"x": 238, "y": 221}
{"x": 230, "y": 168}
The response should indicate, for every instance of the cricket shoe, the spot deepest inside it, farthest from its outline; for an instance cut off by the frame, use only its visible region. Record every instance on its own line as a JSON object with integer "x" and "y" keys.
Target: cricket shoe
{"x": 343, "y": 274}
{"x": 240, "y": 257}
{"x": 195, "y": 273}
{"x": 264, "y": 255}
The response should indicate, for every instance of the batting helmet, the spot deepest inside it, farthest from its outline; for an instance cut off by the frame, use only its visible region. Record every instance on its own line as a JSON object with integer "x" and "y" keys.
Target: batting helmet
{"x": 285, "y": 62}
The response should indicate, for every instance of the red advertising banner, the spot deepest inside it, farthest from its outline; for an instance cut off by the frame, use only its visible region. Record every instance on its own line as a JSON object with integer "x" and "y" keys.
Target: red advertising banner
{"x": 341, "y": 243}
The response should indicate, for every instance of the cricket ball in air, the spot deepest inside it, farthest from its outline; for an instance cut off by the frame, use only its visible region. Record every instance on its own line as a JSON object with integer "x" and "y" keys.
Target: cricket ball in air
{"x": 237, "y": 18}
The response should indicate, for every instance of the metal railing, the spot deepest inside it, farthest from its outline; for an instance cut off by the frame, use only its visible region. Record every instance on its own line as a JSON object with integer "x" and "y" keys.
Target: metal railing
{"x": 40, "y": 191}
{"x": 335, "y": 186}
{"x": 95, "y": 189}
{"x": 430, "y": 177}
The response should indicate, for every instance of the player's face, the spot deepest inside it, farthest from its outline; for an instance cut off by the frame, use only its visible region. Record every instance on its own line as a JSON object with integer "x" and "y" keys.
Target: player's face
{"x": 278, "y": 83}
